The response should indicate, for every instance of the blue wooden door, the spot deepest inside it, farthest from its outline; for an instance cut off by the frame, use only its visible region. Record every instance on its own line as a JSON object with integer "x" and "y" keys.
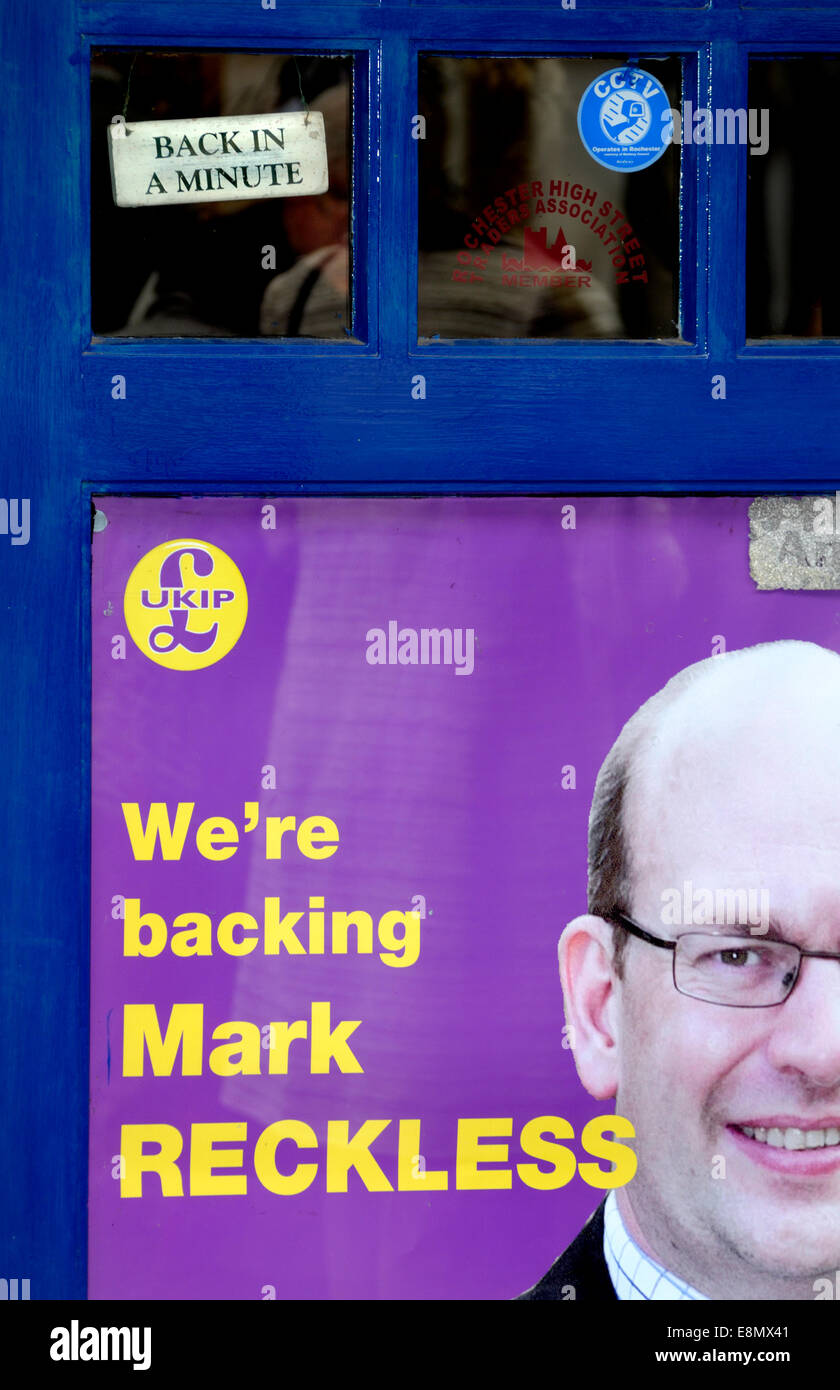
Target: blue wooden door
{"x": 734, "y": 390}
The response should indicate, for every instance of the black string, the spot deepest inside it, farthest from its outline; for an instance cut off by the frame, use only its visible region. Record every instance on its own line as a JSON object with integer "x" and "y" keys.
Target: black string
{"x": 303, "y": 101}
{"x": 128, "y": 85}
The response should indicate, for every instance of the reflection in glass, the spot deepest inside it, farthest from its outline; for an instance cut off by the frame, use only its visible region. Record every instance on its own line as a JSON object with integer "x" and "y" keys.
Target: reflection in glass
{"x": 793, "y": 286}
{"x": 521, "y": 232}
{"x": 277, "y": 266}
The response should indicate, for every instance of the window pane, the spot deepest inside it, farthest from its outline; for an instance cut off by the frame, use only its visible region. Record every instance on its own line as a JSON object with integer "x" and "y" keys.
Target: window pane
{"x": 502, "y": 134}
{"x": 276, "y": 266}
{"x": 793, "y": 285}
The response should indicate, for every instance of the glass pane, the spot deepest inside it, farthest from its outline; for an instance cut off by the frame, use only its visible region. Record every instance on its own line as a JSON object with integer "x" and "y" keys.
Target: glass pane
{"x": 507, "y": 187}
{"x": 793, "y": 284}
{"x": 276, "y": 266}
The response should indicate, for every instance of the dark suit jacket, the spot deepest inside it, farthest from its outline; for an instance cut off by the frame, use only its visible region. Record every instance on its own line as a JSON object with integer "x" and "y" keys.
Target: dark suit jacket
{"x": 582, "y": 1266}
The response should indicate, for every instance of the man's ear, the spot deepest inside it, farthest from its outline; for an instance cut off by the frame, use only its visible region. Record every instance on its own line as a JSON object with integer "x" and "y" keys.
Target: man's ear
{"x": 590, "y": 996}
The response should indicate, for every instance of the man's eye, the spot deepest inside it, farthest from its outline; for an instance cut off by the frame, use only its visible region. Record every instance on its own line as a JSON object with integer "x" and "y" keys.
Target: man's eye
{"x": 737, "y": 957}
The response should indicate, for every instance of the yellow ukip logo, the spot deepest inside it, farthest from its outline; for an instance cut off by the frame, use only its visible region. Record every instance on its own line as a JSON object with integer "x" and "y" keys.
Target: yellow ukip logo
{"x": 185, "y": 604}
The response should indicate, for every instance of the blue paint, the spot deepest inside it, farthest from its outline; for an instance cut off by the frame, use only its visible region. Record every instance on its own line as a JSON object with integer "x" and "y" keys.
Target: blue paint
{"x": 108, "y": 1045}
{"x": 298, "y": 417}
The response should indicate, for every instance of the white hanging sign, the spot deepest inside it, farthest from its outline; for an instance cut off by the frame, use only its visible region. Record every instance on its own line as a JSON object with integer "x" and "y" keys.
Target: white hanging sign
{"x": 217, "y": 159}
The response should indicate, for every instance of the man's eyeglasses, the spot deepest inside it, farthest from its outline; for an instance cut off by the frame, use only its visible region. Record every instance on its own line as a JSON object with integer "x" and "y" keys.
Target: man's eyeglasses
{"x": 721, "y": 967}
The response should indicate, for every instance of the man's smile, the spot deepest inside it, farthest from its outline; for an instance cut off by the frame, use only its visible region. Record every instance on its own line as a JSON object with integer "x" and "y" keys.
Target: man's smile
{"x": 799, "y": 1136}
{"x": 791, "y": 1144}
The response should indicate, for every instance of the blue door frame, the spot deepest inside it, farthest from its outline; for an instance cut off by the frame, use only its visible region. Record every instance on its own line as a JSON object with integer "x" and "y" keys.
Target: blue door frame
{"x": 297, "y": 417}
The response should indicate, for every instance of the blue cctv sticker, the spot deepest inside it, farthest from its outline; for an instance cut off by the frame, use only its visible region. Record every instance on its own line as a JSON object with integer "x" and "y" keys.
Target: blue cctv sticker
{"x": 625, "y": 119}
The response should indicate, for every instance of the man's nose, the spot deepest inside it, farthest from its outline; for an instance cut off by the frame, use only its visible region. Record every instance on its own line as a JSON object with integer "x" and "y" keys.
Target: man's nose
{"x": 806, "y": 1031}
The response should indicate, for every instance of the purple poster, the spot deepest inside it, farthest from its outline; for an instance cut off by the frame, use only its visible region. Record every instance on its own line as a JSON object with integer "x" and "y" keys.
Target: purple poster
{"x": 344, "y": 755}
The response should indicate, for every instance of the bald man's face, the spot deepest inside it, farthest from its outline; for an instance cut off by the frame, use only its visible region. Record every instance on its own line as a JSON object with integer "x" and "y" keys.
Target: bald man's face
{"x": 741, "y": 789}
